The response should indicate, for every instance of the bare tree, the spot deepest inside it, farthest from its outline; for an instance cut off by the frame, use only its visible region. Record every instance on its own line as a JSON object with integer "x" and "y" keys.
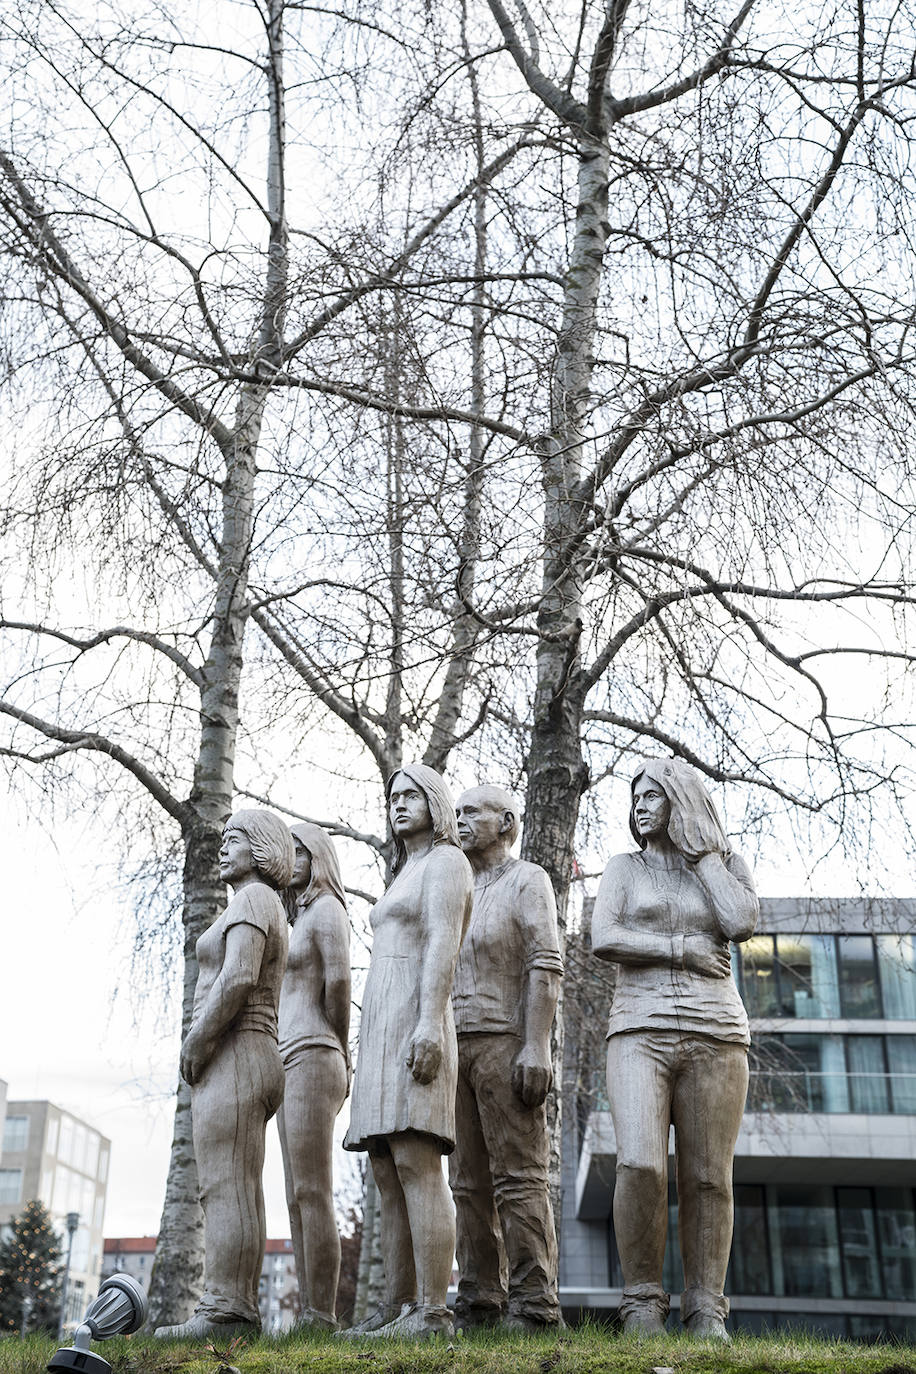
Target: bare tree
{"x": 566, "y": 414}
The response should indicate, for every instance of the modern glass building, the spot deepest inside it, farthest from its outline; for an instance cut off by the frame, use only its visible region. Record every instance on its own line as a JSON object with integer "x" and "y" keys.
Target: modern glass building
{"x": 825, "y": 1168}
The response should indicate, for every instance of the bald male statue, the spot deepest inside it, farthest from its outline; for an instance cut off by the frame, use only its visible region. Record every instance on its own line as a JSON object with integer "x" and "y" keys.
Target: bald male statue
{"x": 505, "y": 999}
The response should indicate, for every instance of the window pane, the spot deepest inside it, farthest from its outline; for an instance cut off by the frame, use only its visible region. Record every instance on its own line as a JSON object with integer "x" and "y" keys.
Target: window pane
{"x": 897, "y": 967}
{"x": 10, "y": 1185}
{"x": 901, "y": 1059}
{"x": 749, "y": 1271}
{"x": 805, "y": 1244}
{"x": 897, "y": 1236}
{"x": 858, "y": 981}
{"x": 859, "y": 1243}
{"x": 808, "y": 975}
{"x": 758, "y": 976}
{"x": 867, "y": 1073}
{"x": 817, "y": 1072}
{"x": 15, "y": 1133}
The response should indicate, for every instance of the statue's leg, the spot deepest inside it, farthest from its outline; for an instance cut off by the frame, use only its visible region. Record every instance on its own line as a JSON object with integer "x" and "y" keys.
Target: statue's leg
{"x": 394, "y": 1229}
{"x": 708, "y": 1106}
{"x": 519, "y": 1153}
{"x": 316, "y": 1085}
{"x": 639, "y": 1084}
{"x": 418, "y": 1160}
{"x": 481, "y": 1262}
{"x": 241, "y": 1089}
{"x": 295, "y": 1219}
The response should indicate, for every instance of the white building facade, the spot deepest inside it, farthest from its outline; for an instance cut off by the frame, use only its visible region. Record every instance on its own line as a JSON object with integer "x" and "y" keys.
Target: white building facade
{"x": 53, "y": 1157}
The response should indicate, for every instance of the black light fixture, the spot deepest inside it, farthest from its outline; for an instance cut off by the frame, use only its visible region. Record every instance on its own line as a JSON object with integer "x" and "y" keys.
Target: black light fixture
{"x": 120, "y": 1308}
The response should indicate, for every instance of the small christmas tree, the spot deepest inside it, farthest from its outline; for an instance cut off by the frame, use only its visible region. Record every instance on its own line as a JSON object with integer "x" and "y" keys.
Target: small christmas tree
{"x": 30, "y": 1272}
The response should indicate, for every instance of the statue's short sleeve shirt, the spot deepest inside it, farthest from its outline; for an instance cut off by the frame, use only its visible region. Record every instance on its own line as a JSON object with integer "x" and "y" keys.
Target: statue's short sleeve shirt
{"x": 513, "y": 929}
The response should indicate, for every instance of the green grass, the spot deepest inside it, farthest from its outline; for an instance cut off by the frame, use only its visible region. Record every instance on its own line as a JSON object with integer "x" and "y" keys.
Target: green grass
{"x": 587, "y": 1350}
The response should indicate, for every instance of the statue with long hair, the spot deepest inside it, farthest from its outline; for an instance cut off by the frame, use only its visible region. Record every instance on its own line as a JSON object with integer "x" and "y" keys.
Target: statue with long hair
{"x": 403, "y": 1109}
{"x": 314, "y": 1030}
{"x": 232, "y": 1063}
{"x": 677, "y": 1041}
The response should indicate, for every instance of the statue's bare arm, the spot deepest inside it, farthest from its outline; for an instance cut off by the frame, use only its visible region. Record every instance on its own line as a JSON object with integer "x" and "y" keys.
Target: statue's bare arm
{"x": 333, "y": 938}
{"x": 226, "y": 998}
{"x": 532, "y": 1070}
{"x": 445, "y": 901}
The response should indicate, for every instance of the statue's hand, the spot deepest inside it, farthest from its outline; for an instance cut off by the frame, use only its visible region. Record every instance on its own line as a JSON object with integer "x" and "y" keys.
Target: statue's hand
{"x": 532, "y": 1075}
{"x": 708, "y": 955}
{"x": 424, "y": 1056}
{"x": 196, "y": 1054}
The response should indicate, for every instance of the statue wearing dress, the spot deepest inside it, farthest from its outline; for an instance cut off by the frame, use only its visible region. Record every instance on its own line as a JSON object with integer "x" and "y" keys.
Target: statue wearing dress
{"x": 403, "y": 1108}
{"x": 677, "y": 1041}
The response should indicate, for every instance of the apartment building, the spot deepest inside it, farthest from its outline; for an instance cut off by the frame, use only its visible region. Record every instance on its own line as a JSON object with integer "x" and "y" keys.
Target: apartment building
{"x": 278, "y": 1289}
{"x": 50, "y": 1155}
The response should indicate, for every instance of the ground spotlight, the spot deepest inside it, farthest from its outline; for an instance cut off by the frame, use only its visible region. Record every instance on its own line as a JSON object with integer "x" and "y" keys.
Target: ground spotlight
{"x": 120, "y": 1308}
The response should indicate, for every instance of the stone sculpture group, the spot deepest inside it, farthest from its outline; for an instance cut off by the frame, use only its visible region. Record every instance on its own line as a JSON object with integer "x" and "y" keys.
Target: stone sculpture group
{"x": 455, "y": 1058}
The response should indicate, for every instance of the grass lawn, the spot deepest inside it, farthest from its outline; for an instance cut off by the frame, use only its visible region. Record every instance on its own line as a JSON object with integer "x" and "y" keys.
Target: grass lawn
{"x": 587, "y": 1350}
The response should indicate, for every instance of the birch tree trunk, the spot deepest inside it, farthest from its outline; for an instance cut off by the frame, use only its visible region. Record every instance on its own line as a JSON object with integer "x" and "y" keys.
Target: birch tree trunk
{"x": 178, "y": 1270}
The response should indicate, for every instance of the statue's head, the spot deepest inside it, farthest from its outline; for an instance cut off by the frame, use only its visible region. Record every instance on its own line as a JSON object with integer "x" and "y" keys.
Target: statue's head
{"x": 418, "y": 799}
{"x": 269, "y": 845}
{"x": 691, "y": 810}
{"x": 487, "y": 814}
{"x": 317, "y": 869}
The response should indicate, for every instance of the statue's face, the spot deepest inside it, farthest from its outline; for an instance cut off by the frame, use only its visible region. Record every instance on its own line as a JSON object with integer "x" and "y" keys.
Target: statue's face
{"x": 235, "y": 861}
{"x": 480, "y": 823}
{"x": 302, "y": 868}
{"x": 651, "y": 808}
{"x": 407, "y": 808}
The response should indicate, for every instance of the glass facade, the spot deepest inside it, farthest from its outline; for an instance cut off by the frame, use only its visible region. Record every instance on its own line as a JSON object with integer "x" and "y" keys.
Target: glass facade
{"x": 820, "y": 976}
{"x": 803, "y": 1241}
{"x": 833, "y": 1073}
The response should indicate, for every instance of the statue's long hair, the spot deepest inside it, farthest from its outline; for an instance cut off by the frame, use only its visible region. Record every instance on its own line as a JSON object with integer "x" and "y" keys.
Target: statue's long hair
{"x": 441, "y": 805}
{"x": 693, "y": 812}
{"x": 325, "y": 869}
{"x": 270, "y": 842}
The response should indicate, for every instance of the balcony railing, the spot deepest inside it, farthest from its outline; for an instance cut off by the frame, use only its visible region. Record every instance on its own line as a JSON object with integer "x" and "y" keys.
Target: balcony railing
{"x": 804, "y": 1090}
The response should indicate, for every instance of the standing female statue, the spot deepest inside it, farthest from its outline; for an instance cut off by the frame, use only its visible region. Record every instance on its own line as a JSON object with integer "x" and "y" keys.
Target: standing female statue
{"x": 677, "y": 1041}
{"x": 314, "y": 1028}
{"x": 231, "y": 1061}
{"x": 403, "y": 1109}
